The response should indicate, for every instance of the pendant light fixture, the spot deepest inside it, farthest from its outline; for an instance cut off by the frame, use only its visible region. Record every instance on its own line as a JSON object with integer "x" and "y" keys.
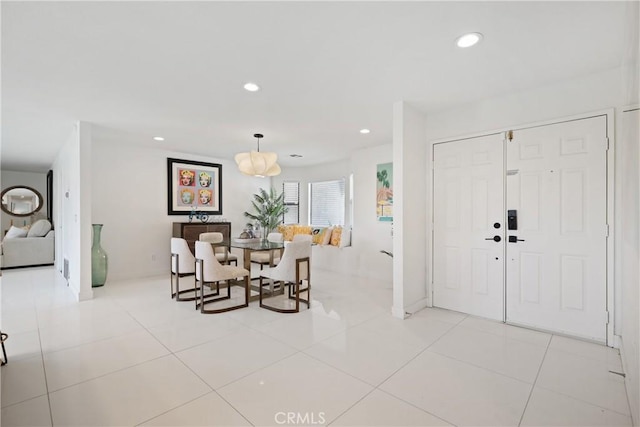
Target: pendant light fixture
{"x": 255, "y": 163}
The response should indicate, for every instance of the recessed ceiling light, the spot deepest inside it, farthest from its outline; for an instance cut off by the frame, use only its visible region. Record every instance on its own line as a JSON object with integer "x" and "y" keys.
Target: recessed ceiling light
{"x": 295, "y": 155}
{"x": 468, "y": 40}
{"x": 158, "y": 138}
{"x": 364, "y": 131}
{"x": 251, "y": 87}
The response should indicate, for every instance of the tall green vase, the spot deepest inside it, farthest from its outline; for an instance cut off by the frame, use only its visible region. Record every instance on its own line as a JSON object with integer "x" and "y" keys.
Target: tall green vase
{"x": 99, "y": 259}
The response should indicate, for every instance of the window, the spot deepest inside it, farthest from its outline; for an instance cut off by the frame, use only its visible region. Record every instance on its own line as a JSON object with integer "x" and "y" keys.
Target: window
{"x": 291, "y": 192}
{"x": 326, "y": 203}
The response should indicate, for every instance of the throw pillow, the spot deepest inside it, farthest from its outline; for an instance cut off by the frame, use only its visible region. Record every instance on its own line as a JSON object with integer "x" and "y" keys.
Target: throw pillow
{"x": 39, "y": 229}
{"x": 318, "y": 235}
{"x": 326, "y": 237}
{"x": 287, "y": 232}
{"x": 15, "y": 232}
{"x": 301, "y": 229}
{"x": 336, "y": 234}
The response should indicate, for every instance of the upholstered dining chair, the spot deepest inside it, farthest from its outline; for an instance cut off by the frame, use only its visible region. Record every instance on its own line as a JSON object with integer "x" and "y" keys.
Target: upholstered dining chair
{"x": 183, "y": 264}
{"x": 209, "y": 271}
{"x": 294, "y": 268}
{"x": 267, "y": 258}
{"x": 222, "y": 252}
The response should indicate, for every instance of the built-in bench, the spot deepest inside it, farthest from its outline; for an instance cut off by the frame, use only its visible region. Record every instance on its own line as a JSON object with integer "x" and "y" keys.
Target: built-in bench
{"x": 331, "y": 245}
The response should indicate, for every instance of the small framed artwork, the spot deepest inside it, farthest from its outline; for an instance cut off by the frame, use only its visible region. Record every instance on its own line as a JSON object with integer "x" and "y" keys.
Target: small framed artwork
{"x": 384, "y": 192}
{"x": 194, "y": 185}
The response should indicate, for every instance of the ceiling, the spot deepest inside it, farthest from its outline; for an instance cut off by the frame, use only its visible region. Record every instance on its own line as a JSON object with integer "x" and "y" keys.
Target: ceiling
{"x": 327, "y": 69}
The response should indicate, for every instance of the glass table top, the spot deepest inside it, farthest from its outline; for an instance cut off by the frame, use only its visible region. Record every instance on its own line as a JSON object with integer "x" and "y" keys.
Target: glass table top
{"x": 257, "y": 246}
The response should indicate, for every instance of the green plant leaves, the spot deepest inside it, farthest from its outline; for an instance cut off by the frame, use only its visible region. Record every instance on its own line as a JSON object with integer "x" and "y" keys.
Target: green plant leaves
{"x": 268, "y": 209}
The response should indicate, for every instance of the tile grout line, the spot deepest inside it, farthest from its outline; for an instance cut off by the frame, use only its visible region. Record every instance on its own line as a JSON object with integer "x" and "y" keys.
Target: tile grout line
{"x": 377, "y": 387}
{"x": 502, "y": 374}
{"x": 585, "y": 402}
{"x": 533, "y": 386}
{"x": 415, "y": 357}
{"x": 172, "y": 353}
{"x": 571, "y": 396}
{"x": 303, "y": 351}
{"x": 44, "y": 369}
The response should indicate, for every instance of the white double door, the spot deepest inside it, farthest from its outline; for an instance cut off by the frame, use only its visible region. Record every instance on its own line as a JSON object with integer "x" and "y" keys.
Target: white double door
{"x": 547, "y": 267}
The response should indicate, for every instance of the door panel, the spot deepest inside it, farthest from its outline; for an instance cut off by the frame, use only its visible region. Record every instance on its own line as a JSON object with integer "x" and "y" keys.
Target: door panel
{"x": 468, "y": 271}
{"x": 556, "y": 276}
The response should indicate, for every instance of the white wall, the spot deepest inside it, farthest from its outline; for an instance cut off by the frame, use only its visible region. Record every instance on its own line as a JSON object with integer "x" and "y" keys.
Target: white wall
{"x": 369, "y": 236}
{"x": 37, "y": 181}
{"x": 591, "y": 93}
{"x": 130, "y": 199}
{"x": 409, "y": 197}
{"x": 72, "y": 211}
{"x": 629, "y": 255}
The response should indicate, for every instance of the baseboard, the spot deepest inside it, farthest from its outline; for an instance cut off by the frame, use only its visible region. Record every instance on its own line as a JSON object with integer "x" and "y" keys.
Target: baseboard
{"x": 25, "y": 266}
{"x": 417, "y": 306}
{"x": 404, "y": 312}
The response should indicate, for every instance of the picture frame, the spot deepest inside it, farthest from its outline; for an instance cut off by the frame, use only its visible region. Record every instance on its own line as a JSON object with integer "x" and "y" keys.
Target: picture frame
{"x": 193, "y": 185}
{"x": 384, "y": 192}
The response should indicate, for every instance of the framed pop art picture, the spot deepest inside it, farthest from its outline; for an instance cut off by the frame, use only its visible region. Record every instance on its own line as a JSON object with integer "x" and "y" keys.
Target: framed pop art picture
{"x": 194, "y": 185}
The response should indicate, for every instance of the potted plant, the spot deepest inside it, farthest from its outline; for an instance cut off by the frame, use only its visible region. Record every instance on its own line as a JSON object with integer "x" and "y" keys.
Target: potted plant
{"x": 269, "y": 210}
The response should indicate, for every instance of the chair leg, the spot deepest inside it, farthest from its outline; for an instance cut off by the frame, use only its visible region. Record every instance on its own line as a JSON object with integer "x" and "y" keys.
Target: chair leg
{"x": 179, "y": 292}
{"x": 298, "y": 284}
{"x": 178, "y": 275}
{"x": 3, "y": 338}
{"x": 225, "y": 309}
{"x": 294, "y": 294}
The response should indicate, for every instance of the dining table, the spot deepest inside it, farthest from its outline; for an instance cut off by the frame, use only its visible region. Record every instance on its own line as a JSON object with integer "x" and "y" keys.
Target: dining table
{"x": 256, "y": 245}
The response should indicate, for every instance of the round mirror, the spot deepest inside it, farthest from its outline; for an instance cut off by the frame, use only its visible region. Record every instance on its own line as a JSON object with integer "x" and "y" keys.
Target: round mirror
{"x": 20, "y": 200}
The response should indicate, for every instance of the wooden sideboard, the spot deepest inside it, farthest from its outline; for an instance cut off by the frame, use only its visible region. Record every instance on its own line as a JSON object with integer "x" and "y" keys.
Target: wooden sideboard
{"x": 190, "y": 231}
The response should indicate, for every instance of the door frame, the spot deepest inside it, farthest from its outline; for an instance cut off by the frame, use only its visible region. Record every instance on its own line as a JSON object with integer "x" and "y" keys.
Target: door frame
{"x": 609, "y": 113}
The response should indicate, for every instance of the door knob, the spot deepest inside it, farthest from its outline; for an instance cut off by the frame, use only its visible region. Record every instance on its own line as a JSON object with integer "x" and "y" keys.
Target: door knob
{"x": 494, "y": 238}
{"x": 514, "y": 239}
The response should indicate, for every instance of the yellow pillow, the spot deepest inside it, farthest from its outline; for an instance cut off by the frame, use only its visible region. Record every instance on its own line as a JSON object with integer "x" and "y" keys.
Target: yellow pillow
{"x": 301, "y": 229}
{"x": 287, "y": 232}
{"x": 336, "y": 235}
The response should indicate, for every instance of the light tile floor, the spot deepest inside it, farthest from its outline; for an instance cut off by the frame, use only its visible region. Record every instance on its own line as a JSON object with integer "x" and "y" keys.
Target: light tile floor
{"x": 133, "y": 356}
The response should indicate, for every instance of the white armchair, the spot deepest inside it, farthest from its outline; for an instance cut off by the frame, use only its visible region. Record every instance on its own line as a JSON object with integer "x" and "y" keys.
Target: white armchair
{"x": 210, "y": 272}
{"x": 294, "y": 268}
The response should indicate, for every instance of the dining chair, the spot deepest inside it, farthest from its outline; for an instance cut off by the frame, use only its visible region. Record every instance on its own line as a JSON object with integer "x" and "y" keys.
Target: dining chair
{"x": 267, "y": 258}
{"x": 294, "y": 268}
{"x": 222, "y": 252}
{"x": 183, "y": 264}
{"x": 210, "y": 272}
